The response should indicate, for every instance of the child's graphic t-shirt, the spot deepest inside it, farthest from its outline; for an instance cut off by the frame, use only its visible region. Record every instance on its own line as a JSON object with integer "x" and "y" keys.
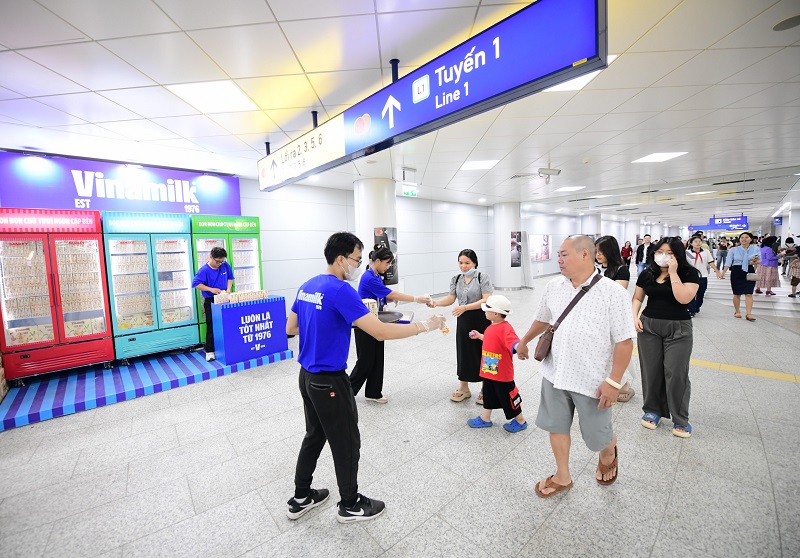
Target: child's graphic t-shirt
{"x": 498, "y": 350}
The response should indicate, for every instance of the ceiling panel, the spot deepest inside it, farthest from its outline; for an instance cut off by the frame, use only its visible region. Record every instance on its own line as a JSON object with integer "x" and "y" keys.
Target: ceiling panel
{"x": 103, "y": 19}
{"x": 140, "y": 130}
{"x": 490, "y": 15}
{"x": 220, "y": 144}
{"x": 343, "y": 43}
{"x": 31, "y": 79}
{"x": 718, "y": 96}
{"x": 345, "y": 88}
{"x": 713, "y": 66}
{"x": 8, "y": 94}
{"x": 698, "y": 24}
{"x": 545, "y": 103}
{"x": 411, "y": 5}
{"x": 619, "y": 122}
{"x": 758, "y": 31}
{"x": 199, "y": 14}
{"x": 150, "y": 102}
{"x": 90, "y": 107}
{"x": 781, "y": 66}
{"x": 251, "y": 50}
{"x": 35, "y": 113}
{"x": 195, "y": 126}
{"x": 671, "y": 119}
{"x": 565, "y": 124}
{"x": 597, "y": 101}
{"x": 724, "y": 117}
{"x": 632, "y": 70}
{"x": 168, "y": 59}
{"x": 90, "y": 130}
{"x": 280, "y": 92}
{"x": 414, "y": 39}
{"x": 249, "y": 122}
{"x": 777, "y": 95}
{"x": 631, "y": 19}
{"x": 306, "y": 9}
{"x": 296, "y": 119}
{"x": 256, "y": 141}
{"x": 658, "y": 98}
{"x": 90, "y": 65}
{"x": 26, "y": 24}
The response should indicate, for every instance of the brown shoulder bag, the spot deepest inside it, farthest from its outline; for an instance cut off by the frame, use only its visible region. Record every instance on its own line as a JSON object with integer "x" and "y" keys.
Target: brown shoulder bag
{"x": 546, "y": 338}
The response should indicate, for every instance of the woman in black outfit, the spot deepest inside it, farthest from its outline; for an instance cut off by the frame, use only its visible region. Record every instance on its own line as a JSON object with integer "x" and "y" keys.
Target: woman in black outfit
{"x": 470, "y": 288}
{"x": 609, "y": 256}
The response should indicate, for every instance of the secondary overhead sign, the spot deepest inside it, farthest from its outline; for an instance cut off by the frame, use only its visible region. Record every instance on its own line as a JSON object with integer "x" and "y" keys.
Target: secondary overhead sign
{"x": 544, "y": 44}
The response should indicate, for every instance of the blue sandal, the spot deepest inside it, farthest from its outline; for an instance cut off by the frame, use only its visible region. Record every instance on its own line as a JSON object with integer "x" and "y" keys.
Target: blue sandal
{"x": 513, "y": 426}
{"x": 682, "y": 431}
{"x": 650, "y": 421}
{"x": 478, "y": 422}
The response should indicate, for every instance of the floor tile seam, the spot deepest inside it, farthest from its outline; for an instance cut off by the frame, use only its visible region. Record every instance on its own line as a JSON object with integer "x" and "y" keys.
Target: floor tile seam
{"x": 274, "y": 521}
{"x": 669, "y": 499}
{"x": 696, "y": 362}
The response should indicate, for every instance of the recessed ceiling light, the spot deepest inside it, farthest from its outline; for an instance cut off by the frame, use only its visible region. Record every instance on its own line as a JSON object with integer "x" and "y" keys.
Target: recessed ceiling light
{"x": 660, "y": 157}
{"x": 580, "y": 82}
{"x": 581, "y": 214}
{"x": 600, "y": 196}
{"x": 482, "y": 200}
{"x": 569, "y": 189}
{"x": 701, "y": 193}
{"x": 798, "y": 174}
{"x": 478, "y": 165}
{"x": 213, "y": 96}
{"x": 560, "y": 209}
{"x": 628, "y": 204}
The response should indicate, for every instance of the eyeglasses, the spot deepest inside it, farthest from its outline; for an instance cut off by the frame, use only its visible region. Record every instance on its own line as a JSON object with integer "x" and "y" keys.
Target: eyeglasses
{"x": 218, "y": 261}
{"x": 358, "y": 261}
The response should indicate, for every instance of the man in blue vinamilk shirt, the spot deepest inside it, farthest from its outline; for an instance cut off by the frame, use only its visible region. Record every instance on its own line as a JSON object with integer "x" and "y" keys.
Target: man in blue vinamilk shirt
{"x": 322, "y": 316}
{"x": 213, "y": 278}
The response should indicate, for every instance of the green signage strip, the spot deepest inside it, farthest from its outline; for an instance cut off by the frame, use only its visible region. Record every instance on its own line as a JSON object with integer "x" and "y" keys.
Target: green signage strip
{"x": 225, "y": 224}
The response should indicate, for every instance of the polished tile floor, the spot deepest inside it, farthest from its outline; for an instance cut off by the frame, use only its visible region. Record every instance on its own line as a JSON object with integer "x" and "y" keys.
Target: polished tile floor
{"x": 205, "y": 470}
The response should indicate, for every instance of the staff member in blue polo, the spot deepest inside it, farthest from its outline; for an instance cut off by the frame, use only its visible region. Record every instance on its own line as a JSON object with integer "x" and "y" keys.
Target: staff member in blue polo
{"x": 322, "y": 315}
{"x": 213, "y": 278}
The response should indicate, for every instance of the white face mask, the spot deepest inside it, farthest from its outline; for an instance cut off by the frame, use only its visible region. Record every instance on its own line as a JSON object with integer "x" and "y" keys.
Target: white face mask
{"x": 790, "y": 244}
{"x": 352, "y": 273}
{"x": 662, "y": 260}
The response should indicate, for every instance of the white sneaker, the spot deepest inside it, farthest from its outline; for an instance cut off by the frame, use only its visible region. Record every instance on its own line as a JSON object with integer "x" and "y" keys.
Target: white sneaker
{"x": 210, "y": 357}
{"x": 377, "y": 399}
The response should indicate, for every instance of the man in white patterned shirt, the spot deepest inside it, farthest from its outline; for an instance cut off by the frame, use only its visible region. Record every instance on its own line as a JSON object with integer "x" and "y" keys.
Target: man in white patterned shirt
{"x": 589, "y": 354}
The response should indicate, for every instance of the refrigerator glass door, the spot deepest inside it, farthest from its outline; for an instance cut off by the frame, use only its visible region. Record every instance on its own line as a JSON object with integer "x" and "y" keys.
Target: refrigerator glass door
{"x": 175, "y": 274}
{"x": 130, "y": 280}
{"x": 80, "y": 287}
{"x": 26, "y": 302}
{"x": 246, "y": 264}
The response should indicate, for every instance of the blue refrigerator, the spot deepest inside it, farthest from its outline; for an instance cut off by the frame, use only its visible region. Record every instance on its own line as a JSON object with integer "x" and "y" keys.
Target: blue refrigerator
{"x": 150, "y": 270}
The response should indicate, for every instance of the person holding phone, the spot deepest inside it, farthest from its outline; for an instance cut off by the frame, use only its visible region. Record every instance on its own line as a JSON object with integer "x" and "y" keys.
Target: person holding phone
{"x": 670, "y": 283}
{"x": 742, "y": 260}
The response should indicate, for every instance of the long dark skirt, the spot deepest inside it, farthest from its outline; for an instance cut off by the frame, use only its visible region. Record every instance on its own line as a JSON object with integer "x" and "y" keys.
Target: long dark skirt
{"x": 469, "y": 350}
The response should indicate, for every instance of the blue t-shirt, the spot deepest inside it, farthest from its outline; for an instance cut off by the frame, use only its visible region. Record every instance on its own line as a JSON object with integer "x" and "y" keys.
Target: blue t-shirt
{"x": 213, "y": 278}
{"x": 371, "y": 286}
{"x": 326, "y": 307}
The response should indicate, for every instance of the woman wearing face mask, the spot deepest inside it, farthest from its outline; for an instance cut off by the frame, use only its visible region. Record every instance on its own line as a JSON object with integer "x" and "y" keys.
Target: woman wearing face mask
{"x": 609, "y": 256}
{"x": 742, "y": 260}
{"x": 789, "y": 252}
{"x": 369, "y": 366}
{"x": 470, "y": 288}
{"x": 665, "y": 335}
{"x": 700, "y": 259}
{"x": 768, "y": 270}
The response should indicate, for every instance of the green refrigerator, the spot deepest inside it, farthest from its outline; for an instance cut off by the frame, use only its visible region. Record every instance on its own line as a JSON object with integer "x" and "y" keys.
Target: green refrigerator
{"x": 240, "y": 236}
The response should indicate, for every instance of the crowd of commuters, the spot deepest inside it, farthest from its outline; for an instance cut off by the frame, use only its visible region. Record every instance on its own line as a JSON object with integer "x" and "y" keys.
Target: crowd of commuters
{"x": 587, "y": 305}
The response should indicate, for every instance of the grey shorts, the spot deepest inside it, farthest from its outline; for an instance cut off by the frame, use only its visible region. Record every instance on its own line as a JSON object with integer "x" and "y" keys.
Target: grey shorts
{"x": 556, "y": 411}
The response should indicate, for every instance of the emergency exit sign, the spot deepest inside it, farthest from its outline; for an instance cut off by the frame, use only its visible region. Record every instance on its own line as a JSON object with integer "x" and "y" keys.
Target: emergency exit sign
{"x": 409, "y": 191}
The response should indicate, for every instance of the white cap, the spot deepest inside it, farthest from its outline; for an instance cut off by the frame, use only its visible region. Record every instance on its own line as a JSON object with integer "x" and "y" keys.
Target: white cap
{"x": 497, "y": 303}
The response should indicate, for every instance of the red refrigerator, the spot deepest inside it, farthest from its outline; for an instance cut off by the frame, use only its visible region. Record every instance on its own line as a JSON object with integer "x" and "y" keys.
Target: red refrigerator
{"x": 53, "y": 293}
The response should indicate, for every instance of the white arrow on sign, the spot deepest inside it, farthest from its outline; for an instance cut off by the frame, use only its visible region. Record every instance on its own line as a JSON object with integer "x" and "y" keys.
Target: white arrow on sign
{"x": 391, "y": 104}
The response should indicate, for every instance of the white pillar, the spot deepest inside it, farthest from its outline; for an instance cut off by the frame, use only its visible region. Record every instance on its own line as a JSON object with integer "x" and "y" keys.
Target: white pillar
{"x": 631, "y": 230}
{"x": 656, "y": 231}
{"x": 675, "y": 231}
{"x": 506, "y": 221}
{"x": 590, "y": 225}
{"x": 791, "y": 224}
{"x": 375, "y": 206}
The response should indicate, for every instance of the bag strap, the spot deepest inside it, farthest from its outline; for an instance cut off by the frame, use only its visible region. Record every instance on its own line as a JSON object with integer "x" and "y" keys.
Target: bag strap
{"x": 575, "y": 300}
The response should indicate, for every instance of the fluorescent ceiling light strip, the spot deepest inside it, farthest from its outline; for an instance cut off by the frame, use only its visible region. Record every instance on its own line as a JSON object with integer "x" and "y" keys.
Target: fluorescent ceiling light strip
{"x": 784, "y": 206}
{"x": 569, "y": 189}
{"x": 660, "y": 157}
{"x": 214, "y": 96}
{"x": 701, "y": 193}
{"x": 479, "y": 165}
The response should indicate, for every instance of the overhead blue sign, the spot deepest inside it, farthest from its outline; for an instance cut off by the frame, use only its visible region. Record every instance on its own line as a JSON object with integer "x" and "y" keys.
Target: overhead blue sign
{"x": 722, "y": 222}
{"x": 544, "y": 44}
{"x": 777, "y": 221}
{"x": 52, "y": 182}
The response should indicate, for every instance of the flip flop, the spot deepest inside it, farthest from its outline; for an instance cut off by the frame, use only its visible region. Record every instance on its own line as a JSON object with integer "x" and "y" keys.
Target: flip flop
{"x": 603, "y": 469}
{"x": 737, "y": 315}
{"x": 459, "y": 396}
{"x": 550, "y": 483}
{"x": 750, "y": 318}
{"x": 650, "y": 421}
{"x": 626, "y": 393}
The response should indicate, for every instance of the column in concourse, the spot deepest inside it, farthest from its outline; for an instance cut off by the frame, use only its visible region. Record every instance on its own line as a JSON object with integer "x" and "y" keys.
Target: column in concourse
{"x": 506, "y": 220}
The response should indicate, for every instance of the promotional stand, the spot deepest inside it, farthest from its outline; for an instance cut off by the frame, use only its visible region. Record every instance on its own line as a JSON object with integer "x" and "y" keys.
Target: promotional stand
{"x": 247, "y": 330}
{"x": 150, "y": 269}
{"x": 53, "y": 297}
{"x": 239, "y": 236}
